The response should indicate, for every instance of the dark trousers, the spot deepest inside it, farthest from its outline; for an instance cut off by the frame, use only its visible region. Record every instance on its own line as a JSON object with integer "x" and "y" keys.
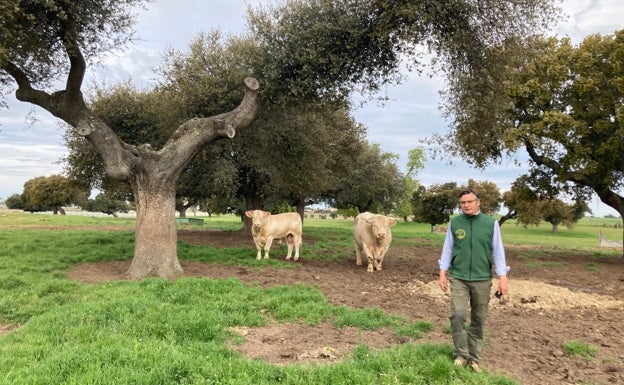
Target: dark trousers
{"x": 476, "y": 296}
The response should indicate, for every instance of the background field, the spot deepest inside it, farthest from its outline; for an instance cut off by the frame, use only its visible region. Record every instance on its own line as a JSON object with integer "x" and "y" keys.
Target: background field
{"x": 68, "y": 317}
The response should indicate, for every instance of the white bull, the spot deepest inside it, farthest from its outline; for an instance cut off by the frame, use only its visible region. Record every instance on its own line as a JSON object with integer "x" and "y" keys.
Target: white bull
{"x": 372, "y": 236}
{"x": 266, "y": 227}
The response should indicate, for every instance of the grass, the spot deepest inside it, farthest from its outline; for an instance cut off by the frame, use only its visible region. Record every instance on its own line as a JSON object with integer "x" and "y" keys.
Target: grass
{"x": 579, "y": 349}
{"x": 161, "y": 332}
{"x": 584, "y": 235}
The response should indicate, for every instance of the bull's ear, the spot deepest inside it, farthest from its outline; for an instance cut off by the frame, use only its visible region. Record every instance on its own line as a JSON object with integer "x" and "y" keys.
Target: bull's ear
{"x": 393, "y": 222}
{"x": 266, "y": 213}
{"x": 249, "y": 213}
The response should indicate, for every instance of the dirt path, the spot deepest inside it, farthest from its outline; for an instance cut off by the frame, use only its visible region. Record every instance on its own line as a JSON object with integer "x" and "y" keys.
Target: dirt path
{"x": 575, "y": 298}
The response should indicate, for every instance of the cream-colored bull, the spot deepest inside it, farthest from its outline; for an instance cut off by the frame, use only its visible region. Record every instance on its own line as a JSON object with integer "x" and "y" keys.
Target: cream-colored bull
{"x": 266, "y": 227}
{"x": 372, "y": 236}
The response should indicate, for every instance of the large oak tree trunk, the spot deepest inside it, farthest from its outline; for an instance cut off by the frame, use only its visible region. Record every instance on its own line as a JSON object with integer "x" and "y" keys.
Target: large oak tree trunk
{"x": 155, "y": 250}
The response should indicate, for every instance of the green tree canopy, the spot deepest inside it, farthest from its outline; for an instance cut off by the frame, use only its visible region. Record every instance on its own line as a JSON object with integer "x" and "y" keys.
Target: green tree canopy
{"x": 415, "y": 163}
{"x": 535, "y": 197}
{"x": 107, "y": 204}
{"x": 53, "y": 192}
{"x": 15, "y": 201}
{"x": 435, "y": 204}
{"x": 315, "y": 136}
{"x": 42, "y": 39}
{"x": 489, "y": 195}
{"x": 556, "y": 212}
{"x": 372, "y": 183}
{"x": 317, "y": 48}
{"x": 559, "y": 102}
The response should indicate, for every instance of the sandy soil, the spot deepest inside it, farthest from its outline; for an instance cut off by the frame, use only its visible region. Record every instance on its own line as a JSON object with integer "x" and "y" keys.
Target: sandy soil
{"x": 576, "y": 297}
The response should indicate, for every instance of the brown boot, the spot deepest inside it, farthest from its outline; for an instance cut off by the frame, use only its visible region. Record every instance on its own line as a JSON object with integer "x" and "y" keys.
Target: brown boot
{"x": 474, "y": 366}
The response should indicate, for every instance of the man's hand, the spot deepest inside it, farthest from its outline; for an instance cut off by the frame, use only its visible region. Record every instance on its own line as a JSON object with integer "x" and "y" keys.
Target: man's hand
{"x": 503, "y": 287}
{"x": 443, "y": 281}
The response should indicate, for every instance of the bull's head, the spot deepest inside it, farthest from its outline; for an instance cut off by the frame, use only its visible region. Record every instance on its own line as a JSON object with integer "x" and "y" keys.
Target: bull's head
{"x": 258, "y": 218}
{"x": 378, "y": 230}
{"x": 380, "y": 227}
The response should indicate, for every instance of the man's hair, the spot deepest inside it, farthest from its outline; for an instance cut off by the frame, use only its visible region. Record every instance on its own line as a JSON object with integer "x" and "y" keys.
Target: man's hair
{"x": 468, "y": 191}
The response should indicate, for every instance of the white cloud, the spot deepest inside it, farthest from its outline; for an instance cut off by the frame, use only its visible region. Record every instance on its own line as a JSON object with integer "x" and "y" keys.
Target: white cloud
{"x": 21, "y": 162}
{"x": 587, "y": 17}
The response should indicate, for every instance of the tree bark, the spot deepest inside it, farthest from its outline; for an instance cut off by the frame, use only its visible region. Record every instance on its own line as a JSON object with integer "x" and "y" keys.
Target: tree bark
{"x": 301, "y": 208}
{"x": 181, "y": 208}
{"x": 155, "y": 248}
{"x": 253, "y": 201}
{"x": 510, "y": 215}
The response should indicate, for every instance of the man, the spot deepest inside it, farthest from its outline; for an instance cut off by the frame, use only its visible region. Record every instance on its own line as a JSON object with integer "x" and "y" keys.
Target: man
{"x": 473, "y": 242}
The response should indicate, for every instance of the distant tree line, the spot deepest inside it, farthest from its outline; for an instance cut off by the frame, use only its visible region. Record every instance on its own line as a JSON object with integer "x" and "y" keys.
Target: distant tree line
{"x": 55, "y": 192}
{"x": 433, "y": 205}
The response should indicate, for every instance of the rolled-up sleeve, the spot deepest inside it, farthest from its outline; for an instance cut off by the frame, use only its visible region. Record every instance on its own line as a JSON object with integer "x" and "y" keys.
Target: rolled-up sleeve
{"x": 447, "y": 250}
{"x": 498, "y": 252}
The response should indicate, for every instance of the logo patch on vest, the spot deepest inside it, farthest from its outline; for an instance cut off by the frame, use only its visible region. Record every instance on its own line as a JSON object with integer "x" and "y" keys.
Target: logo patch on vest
{"x": 460, "y": 234}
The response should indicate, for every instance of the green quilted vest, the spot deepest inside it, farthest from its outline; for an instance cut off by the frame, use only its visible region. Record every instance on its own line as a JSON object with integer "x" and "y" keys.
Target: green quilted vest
{"x": 472, "y": 247}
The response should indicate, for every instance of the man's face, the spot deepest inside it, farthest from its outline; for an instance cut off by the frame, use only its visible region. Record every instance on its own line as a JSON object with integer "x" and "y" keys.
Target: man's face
{"x": 469, "y": 204}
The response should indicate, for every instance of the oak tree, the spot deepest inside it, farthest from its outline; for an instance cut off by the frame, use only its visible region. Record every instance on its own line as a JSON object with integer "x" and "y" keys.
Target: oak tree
{"x": 435, "y": 204}
{"x": 107, "y": 204}
{"x": 489, "y": 195}
{"x": 52, "y": 40}
{"x": 372, "y": 183}
{"x": 319, "y": 49}
{"x": 53, "y": 192}
{"x": 561, "y": 103}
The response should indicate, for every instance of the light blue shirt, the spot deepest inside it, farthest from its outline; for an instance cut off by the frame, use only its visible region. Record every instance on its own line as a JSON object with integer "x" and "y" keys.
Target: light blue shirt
{"x": 498, "y": 251}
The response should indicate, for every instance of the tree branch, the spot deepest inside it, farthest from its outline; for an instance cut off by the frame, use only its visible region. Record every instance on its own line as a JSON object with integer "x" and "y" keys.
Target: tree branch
{"x": 78, "y": 65}
{"x": 120, "y": 160}
{"x": 195, "y": 133}
{"x": 25, "y": 92}
{"x": 606, "y": 195}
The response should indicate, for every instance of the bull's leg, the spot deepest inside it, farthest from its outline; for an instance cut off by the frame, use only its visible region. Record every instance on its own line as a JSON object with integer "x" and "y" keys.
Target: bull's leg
{"x": 297, "y": 241}
{"x": 380, "y": 258}
{"x": 259, "y": 249}
{"x": 358, "y": 255}
{"x": 289, "y": 243}
{"x": 378, "y": 263}
{"x": 370, "y": 258}
{"x": 267, "y": 246}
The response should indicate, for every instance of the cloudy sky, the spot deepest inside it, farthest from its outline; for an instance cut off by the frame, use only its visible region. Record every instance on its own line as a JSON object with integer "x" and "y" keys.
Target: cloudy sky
{"x": 411, "y": 114}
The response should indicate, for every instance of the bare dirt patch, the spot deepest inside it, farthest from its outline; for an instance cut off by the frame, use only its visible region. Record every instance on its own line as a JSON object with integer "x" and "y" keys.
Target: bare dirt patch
{"x": 575, "y": 297}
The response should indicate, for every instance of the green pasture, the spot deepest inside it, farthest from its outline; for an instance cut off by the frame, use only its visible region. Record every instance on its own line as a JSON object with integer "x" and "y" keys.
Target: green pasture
{"x": 178, "y": 332}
